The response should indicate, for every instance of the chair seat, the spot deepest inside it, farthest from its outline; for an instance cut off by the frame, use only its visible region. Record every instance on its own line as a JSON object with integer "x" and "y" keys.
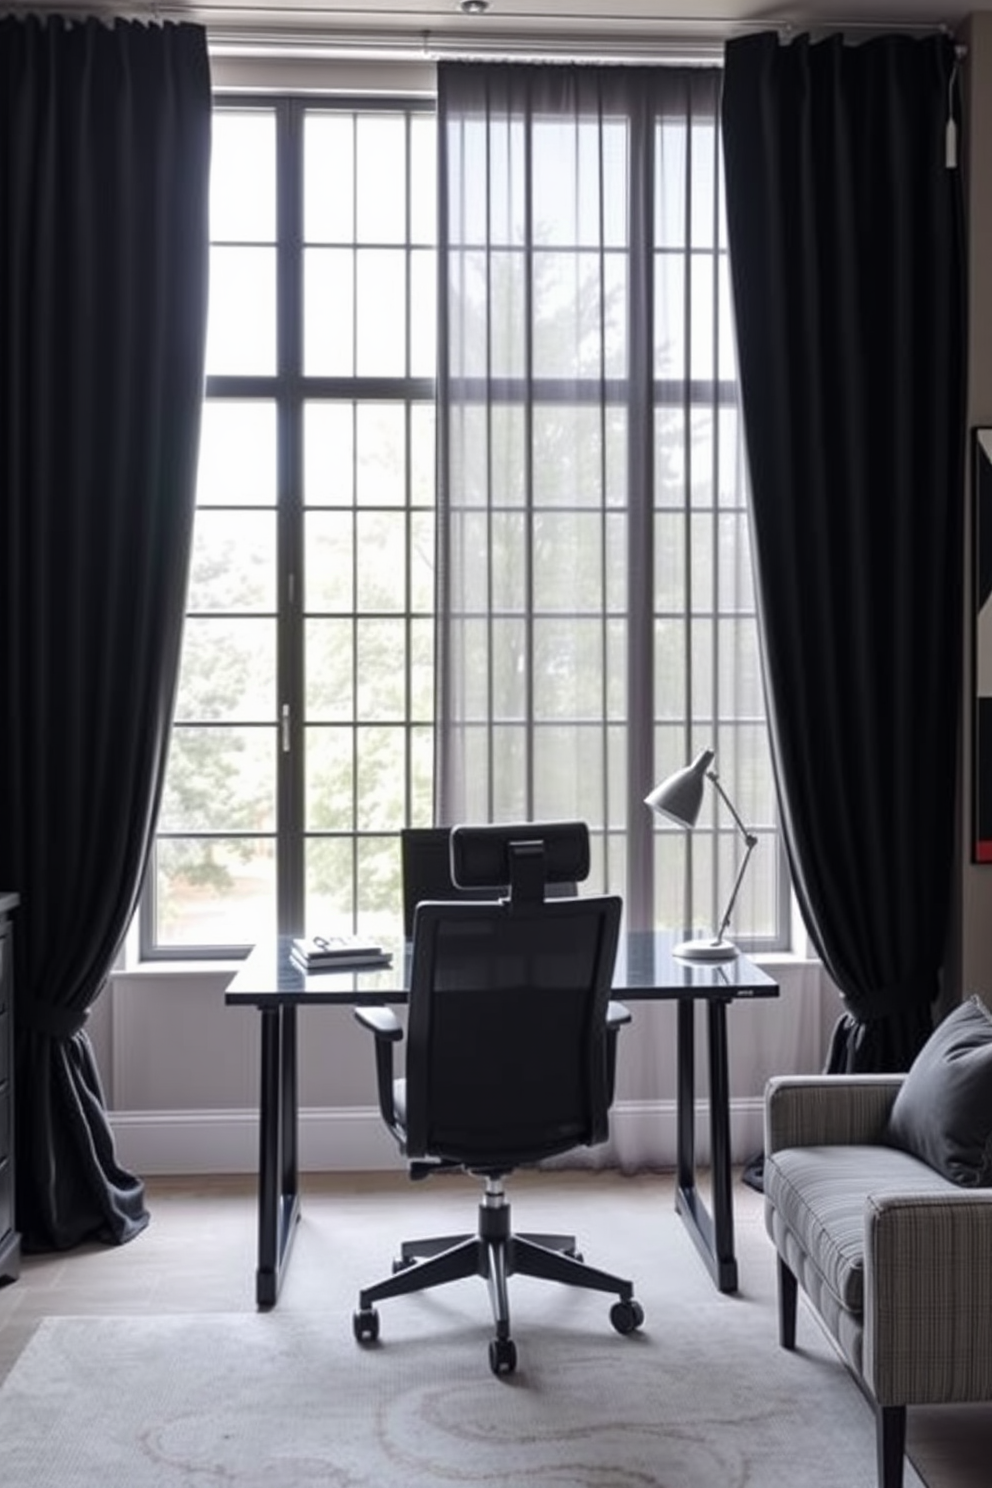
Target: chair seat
{"x": 820, "y": 1194}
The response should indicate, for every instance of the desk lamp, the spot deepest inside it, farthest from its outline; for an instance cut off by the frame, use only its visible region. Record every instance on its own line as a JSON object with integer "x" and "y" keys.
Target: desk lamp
{"x": 679, "y": 798}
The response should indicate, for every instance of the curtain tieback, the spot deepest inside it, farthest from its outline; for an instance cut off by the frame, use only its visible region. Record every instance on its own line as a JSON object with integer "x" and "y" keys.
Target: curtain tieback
{"x": 916, "y": 991}
{"x": 54, "y": 1022}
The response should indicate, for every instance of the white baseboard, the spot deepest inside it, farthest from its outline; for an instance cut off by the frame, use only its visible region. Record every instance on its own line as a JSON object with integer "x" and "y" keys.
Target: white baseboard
{"x": 353, "y": 1139}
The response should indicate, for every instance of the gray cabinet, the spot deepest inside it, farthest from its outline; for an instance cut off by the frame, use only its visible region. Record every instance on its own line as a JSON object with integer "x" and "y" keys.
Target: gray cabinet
{"x": 10, "y": 1244}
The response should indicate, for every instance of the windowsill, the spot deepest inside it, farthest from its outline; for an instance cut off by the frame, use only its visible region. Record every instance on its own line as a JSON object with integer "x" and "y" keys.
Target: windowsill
{"x": 766, "y": 960}
{"x": 143, "y": 969}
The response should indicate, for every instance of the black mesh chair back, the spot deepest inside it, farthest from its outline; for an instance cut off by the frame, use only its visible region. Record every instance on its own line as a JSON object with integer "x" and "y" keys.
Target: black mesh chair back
{"x": 426, "y": 862}
{"x": 506, "y": 1059}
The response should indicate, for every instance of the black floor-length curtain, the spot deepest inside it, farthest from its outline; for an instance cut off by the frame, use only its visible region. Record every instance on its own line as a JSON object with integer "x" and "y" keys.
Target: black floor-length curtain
{"x": 845, "y": 231}
{"x": 104, "y": 163}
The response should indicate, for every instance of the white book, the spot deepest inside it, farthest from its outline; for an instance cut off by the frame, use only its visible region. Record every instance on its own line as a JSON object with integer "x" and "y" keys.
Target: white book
{"x": 336, "y": 950}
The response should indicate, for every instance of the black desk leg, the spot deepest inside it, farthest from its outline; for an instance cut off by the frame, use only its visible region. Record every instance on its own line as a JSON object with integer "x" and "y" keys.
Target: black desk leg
{"x": 713, "y": 1240}
{"x": 685, "y": 1107}
{"x": 278, "y": 1185}
{"x": 725, "y": 1272}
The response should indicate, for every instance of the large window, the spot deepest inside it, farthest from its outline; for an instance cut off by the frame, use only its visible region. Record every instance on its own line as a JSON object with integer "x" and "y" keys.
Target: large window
{"x": 304, "y": 736}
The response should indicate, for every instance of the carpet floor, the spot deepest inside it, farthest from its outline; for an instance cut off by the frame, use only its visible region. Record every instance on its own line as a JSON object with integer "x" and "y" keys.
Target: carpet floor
{"x": 702, "y": 1397}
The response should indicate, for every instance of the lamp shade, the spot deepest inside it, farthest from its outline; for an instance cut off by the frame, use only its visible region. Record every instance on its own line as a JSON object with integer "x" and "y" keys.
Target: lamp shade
{"x": 680, "y": 796}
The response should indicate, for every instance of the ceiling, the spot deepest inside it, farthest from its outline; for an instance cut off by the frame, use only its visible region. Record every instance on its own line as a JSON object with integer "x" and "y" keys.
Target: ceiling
{"x": 581, "y": 26}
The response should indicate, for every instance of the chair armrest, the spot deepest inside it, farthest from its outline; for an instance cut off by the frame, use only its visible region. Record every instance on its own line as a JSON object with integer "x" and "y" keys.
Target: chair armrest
{"x": 827, "y": 1110}
{"x": 388, "y": 1030}
{"x": 381, "y": 1021}
{"x": 617, "y": 1014}
{"x": 928, "y": 1296}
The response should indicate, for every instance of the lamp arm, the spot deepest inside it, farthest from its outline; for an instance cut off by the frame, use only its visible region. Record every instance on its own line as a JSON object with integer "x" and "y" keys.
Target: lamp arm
{"x": 714, "y": 777}
{"x": 750, "y": 843}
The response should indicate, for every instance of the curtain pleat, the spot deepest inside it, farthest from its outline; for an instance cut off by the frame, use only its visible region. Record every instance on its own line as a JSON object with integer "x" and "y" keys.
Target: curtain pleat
{"x": 845, "y": 229}
{"x": 104, "y": 167}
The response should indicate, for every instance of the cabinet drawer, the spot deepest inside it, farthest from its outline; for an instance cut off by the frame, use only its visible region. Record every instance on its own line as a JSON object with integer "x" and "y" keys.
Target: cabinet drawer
{"x": 6, "y": 972}
{"x": 6, "y": 1198}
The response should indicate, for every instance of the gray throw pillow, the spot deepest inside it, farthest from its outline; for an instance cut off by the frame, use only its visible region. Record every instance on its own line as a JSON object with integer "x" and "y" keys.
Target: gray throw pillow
{"x": 943, "y": 1112}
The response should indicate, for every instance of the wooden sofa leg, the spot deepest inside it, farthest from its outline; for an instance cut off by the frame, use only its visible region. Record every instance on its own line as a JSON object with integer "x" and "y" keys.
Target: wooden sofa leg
{"x": 891, "y": 1439}
{"x": 788, "y": 1289}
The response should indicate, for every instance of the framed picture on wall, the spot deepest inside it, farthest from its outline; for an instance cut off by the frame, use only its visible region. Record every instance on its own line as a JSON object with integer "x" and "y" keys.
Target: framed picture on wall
{"x": 982, "y": 699}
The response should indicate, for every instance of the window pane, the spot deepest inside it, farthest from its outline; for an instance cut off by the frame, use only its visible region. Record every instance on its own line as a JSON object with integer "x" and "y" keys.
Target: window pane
{"x": 330, "y": 779}
{"x": 329, "y": 455}
{"x": 328, "y": 548}
{"x": 382, "y": 560}
{"x": 330, "y": 881}
{"x": 233, "y": 566}
{"x": 423, "y": 179}
{"x": 422, "y": 673}
{"x": 329, "y": 179}
{"x": 381, "y": 793}
{"x": 568, "y": 561}
{"x": 422, "y": 562}
{"x": 243, "y": 176}
{"x": 237, "y": 342}
{"x": 381, "y": 174}
{"x": 329, "y": 312}
{"x": 329, "y": 669}
{"x": 228, "y": 670}
{"x": 422, "y": 455}
{"x": 381, "y": 313}
{"x": 381, "y": 667}
{"x": 669, "y": 328}
{"x": 380, "y": 437}
{"x": 237, "y": 454}
{"x": 220, "y": 779}
{"x": 423, "y": 314}
{"x": 214, "y": 892}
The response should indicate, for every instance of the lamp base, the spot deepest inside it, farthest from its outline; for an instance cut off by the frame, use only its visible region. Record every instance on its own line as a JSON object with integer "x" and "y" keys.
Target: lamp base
{"x": 705, "y": 949}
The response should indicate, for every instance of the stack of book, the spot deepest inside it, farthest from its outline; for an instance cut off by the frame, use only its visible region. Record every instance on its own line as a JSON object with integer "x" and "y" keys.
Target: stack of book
{"x": 337, "y": 953}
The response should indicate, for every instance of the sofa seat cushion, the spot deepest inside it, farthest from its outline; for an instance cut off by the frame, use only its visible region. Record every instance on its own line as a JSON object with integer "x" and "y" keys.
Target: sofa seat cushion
{"x": 820, "y": 1193}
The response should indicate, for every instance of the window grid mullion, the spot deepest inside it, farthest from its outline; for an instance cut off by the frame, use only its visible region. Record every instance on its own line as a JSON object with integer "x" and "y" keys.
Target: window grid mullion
{"x": 290, "y": 871}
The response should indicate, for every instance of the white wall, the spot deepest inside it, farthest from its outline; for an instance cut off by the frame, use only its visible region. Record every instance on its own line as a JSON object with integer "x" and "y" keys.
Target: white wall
{"x": 181, "y": 1073}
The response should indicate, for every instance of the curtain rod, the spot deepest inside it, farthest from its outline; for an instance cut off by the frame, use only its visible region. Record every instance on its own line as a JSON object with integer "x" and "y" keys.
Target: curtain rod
{"x": 675, "y": 43}
{"x": 232, "y": 31}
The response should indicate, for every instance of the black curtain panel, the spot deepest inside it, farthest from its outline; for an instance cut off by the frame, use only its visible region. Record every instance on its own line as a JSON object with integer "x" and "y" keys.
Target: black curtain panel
{"x": 104, "y": 164}
{"x": 844, "y": 217}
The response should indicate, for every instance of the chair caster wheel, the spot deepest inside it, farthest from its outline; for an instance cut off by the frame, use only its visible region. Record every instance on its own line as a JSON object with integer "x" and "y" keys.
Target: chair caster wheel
{"x": 502, "y": 1356}
{"x": 365, "y": 1323}
{"x": 627, "y": 1317}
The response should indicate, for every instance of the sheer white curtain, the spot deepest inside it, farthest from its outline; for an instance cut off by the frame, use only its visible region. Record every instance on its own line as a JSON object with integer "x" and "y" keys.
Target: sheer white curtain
{"x": 595, "y": 610}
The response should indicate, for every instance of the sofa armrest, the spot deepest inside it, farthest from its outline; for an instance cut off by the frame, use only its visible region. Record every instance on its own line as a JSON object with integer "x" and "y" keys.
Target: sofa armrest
{"x": 928, "y": 1297}
{"x": 827, "y": 1110}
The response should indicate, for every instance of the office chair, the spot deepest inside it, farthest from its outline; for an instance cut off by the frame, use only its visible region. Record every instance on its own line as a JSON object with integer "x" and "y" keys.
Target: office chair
{"x": 425, "y": 854}
{"x": 510, "y": 1049}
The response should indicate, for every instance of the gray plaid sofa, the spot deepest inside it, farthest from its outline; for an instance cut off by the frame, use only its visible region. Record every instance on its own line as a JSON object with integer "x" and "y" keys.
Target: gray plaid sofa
{"x": 895, "y": 1259}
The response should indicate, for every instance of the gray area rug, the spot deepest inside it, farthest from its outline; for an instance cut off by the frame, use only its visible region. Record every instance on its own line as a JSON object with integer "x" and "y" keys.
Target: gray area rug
{"x": 702, "y": 1398}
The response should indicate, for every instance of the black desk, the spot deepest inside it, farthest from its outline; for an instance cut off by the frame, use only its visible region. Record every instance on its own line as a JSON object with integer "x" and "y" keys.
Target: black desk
{"x": 646, "y": 971}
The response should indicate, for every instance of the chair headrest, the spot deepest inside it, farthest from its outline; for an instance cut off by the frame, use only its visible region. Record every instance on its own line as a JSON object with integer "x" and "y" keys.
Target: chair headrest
{"x": 490, "y": 857}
